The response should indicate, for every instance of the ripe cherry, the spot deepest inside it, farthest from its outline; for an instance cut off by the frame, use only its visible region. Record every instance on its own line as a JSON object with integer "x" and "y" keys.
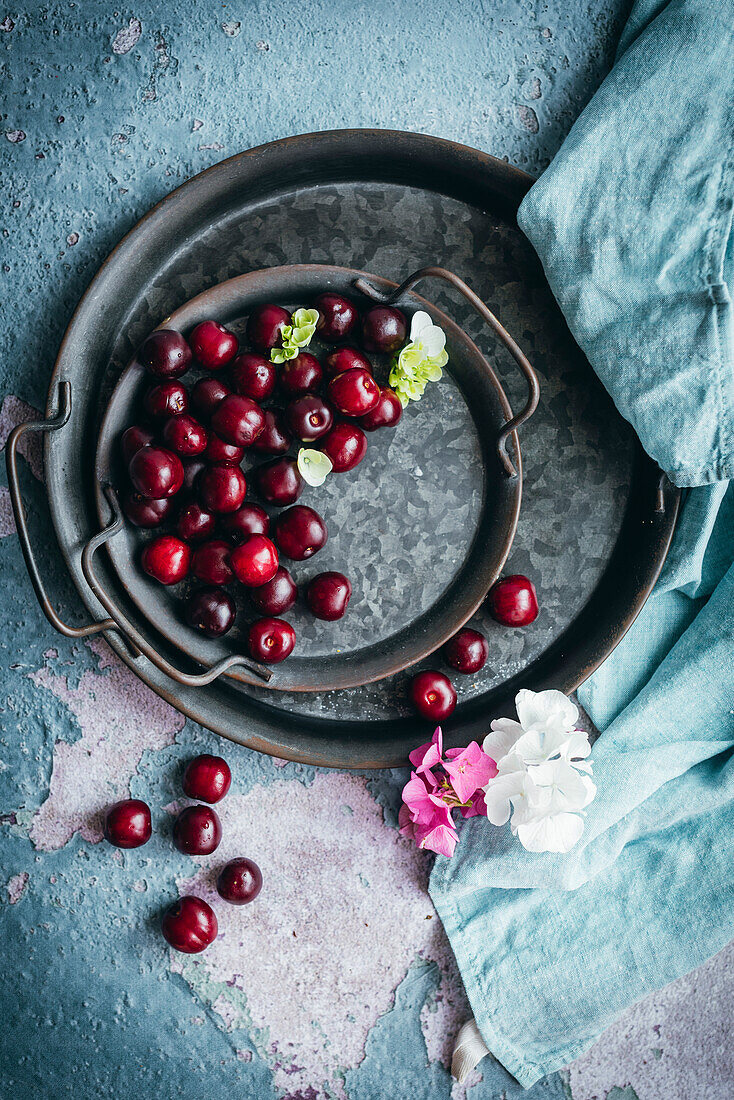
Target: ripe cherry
{"x": 433, "y": 695}
{"x": 213, "y": 344}
{"x": 309, "y": 417}
{"x": 513, "y": 601}
{"x": 271, "y": 640}
{"x": 346, "y": 446}
{"x": 184, "y": 435}
{"x": 144, "y": 512}
{"x": 337, "y": 317}
{"x": 341, "y": 359}
{"x": 279, "y": 482}
{"x": 300, "y": 375}
{"x": 264, "y": 326}
{"x": 238, "y": 420}
{"x": 240, "y": 881}
{"x": 219, "y": 451}
{"x": 328, "y": 595}
{"x": 207, "y": 778}
{"x": 254, "y": 561}
{"x": 385, "y": 414}
{"x": 133, "y": 438}
{"x": 354, "y": 392}
{"x": 277, "y": 596}
{"x": 252, "y": 376}
{"x": 194, "y": 524}
{"x": 156, "y": 472}
{"x": 212, "y": 611}
{"x": 189, "y": 925}
{"x": 384, "y": 329}
{"x": 221, "y": 488}
{"x": 467, "y": 651}
{"x": 300, "y": 532}
{"x": 197, "y": 831}
{"x": 274, "y": 439}
{"x": 210, "y": 562}
{"x": 165, "y": 354}
{"x": 206, "y": 395}
{"x": 166, "y": 399}
{"x": 166, "y": 559}
{"x": 127, "y": 823}
{"x": 248, "y": 520}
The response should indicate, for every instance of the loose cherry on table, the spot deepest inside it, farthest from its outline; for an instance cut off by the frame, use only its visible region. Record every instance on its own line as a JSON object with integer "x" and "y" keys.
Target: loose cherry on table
{"x": 156, "y": 472}
{"x": 271, "y": 640}
{"x": 309, "y": 417}
{"x": 197, "y": 831}
{"x": 144, "y": 512}
{"x": 213, "y": 344}
{"x": 219, "y": 451}
{"x": 207, "y": 778}
{"x": 210, "y": 562}
{"x": 265, "y": 324}
{"x": 192, "y": 469}
{"x": 133, "y": 438}
{"x": 189, "y": 925}
{"x": 432, "y": 695}
{"x": 254, "y": 561}
{"x": 279, "y": 482}
{"x": 513, "y": 601}
{"x": 467, "y": 651}
{"x": 165, "y": 354}
{"x": 239, "y": 881}
{"x": 221, "y": 488}
{"x": 166, "y": 559}
{"x": 346, "y": 446}
{"x": 341, "y": 359}
{"x": 386, "y": 413}
{"x": 185, "y": 436}
{"x": 354, "y": 392}
{"x": 252, "y": 376}
{"x": 248, "y": 520}
{"x": 274, "y": 439}
{"x": 384, "y": 329}
{"x": 166, "y": 399}
{"x": 206, "y": 395}
{"x": 277, "y": 596}
{"x": 194, "y": 524}
{"x": 300, "y": 375}
{"x": 212, "y": 611}
{"x": 127, "y": 823}
{"x": 328, "y": 595}
{"x": 337, "y": 317}
{"x": 300, "y": 532}
{"x": 238, "y": 420}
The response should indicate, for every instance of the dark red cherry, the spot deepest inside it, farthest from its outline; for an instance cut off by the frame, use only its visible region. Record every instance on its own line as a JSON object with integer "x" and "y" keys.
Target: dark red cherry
{"x": 166, "y": 559}
{"x": 207, "y": 777}
{"x": 279, "y": 482}
{"x": 341, "y": 359}
{"x": 144, "y": 512}
{"x": 513, "y": 601}
{"x": 185, "y": 436}
{"x": 274, "y": 439}
{"x": 197, "y": 831}
{"x": 156, "y": 472}
{"x": 385, "y": 414}
{"x": 213, "y": 344}
{"x": 192, "y": 469}
{"x": 165, "y": 354}
{"x": 432, "y": 695}
{"x": 354, "y": 392}
{"x": 264, "y": 326}
{"x": 467, "y": 651}
{"x": 166, "y": 399}
{"x": 277, "y": 596}
{"x": 252, "y": 376}
{"x": 238, "y": 420}
{"x": 300, "y": 375}
{"x": 133, "y": 438}
{"x": 212, "y": 611}
{"x": 206, "y": 395}
{"x": 221, "y": 488}
{"x": 309, "y": 417}
{"x": 194, "y": 524}
{"x": 248, "y": 520}
{"x": 271, "y": 640}
{"x": 127, "y": 823}
{"x": 219, "y": 451}
{"x": 328, "y": 595}
{"x": 240, "y": 881}
{"x": 384, "y": 329}
{"x": 254, "y": 561}
{"x": 346, "y": 446}
{"x": 300, "y": 532}
{"x": 210, "y": 562}
{"x": 189, "y": 925}
{"x": 337, "y": 317}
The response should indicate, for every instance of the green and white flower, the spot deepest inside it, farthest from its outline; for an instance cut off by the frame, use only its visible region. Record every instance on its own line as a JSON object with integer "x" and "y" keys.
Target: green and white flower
{"x": 314, "y": 466}
{"x": 420, "y": 361}
{"x": 296, "y": 335}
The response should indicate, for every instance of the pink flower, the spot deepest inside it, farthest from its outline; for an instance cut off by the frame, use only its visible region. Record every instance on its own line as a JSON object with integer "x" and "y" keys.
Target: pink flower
{"x": 425, "y": 818}
{"x": 441, "y": 836}
{"x": 477, "y": 807}
{"x": 468, "y": 769}
{"x": 429, "y": 755}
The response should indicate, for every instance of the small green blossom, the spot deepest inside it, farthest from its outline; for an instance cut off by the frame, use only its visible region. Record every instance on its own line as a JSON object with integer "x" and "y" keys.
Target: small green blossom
{"x": 295, "y": 336}
{"x": 314, "y": 466}
{"x": 420, "y": 361}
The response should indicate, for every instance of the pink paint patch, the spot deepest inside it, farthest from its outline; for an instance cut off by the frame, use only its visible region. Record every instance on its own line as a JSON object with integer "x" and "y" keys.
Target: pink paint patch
{"x": 7, "y": 520}
{"x": 13, "y": 412}
{"x": 16, "y": 887}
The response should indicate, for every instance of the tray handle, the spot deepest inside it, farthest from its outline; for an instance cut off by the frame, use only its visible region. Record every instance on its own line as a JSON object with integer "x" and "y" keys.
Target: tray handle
{"x": 257, "y": 673}
{"x": 366, "y": 288}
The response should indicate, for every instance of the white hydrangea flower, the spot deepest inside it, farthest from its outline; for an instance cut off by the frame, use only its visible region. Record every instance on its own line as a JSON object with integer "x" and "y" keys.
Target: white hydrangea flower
{"x": 314, "y": 466}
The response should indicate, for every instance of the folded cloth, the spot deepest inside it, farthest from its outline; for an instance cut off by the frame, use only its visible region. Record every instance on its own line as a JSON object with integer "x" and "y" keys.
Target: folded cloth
{"x": 632, "y": 223}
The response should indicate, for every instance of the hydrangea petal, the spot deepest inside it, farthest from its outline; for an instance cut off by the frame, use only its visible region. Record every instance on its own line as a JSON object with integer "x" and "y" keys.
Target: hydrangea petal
{"x": 556, "y": 833}
{"x": 314, "y": 466}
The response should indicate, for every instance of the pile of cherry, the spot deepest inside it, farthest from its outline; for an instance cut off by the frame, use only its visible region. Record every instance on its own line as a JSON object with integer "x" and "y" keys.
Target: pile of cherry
{"x": 190, "y": 924}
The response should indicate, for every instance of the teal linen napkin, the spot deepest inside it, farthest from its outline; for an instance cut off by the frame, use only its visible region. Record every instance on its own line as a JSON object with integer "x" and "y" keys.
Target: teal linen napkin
{"x": 632, "y": 222}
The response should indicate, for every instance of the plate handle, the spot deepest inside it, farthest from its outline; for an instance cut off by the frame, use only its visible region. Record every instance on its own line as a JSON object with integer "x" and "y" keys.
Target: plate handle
{"x": 366, "y": 288}
{"x": 258, "y": 673}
